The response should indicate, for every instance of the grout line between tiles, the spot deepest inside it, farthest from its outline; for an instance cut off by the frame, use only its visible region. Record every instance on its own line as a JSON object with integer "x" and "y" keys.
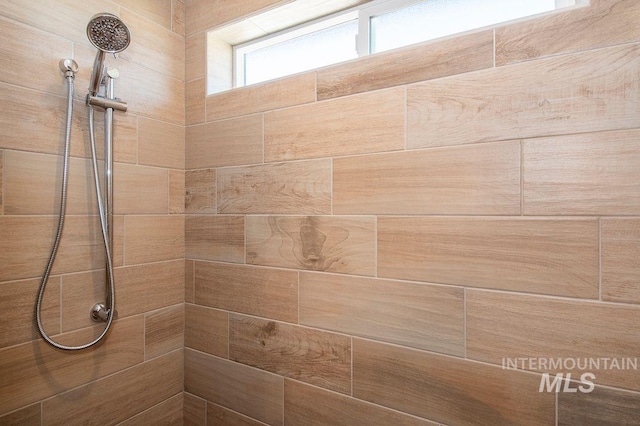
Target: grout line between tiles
{"x": 364, "y": 401}
{"x": 206, "y": 409}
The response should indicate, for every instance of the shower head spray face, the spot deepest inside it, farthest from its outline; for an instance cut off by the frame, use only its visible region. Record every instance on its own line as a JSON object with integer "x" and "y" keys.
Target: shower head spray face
{"x": 108, "y": 33}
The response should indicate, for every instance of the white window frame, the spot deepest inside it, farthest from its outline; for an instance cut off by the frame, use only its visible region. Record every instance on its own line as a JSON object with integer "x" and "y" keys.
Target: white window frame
{"x": 363, "y": 14}
{"x": 290, "y": 33}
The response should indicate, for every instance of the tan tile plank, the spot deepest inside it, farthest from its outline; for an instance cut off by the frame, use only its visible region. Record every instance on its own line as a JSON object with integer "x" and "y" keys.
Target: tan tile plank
{"x": 264, "y": 292}
{"x": 599, "y": 24}
{"x": 304, "y": 404}
{"x": 411, "y": 314}
{"x": 151, "y": 93}
{"x": 153, "y": 238}
{"x": 478, "y": 179}
{"x": 218, "y": 415}
{"x": 201, "y": 16}
{"x": 117, "y": 252}
{"x": 1, "y": 182}
{"x": 620, "y": 253}
{"x": 158, "y": 11}
{"x": 152, "y": 45}
{"x": 21, "y": 366}
{"x": 61, "y": 19}
{"x": 225, "y": 143}
{"x": 602, "y": 407}
{"x": 17, "y": 304}
{"x": 194, "y": 101}
{"x": 446, "y": 389}
{"x": 318, "y": 243}
{"x": 195, "y": 410}
{"x": 140, "y": 189}
{"x": 424, "y": 61}
{"x": 178, "y": 12}
{"x": 189, "y": 281}
{"x": 200, "y": 191}
{"x": 364, "y": 123}
{"x": 196, "y": 57}
{"x": 125, "y": 137}
{"x": 316, "y": 357}
{"x": 168, "y": 412}
{"x": 160, "y": 144}
{"x": 32, "y": 184}
{"x": 146, "y": 287}
{"x": 22, "y": 44}
{"x": 80, "y": 291}
{"x": 282, "y": 93}
{"x": 557, "y": 95}
{"x": 302, "y": 187}
{"x": 215, "y": 238}
{"x": 28, "y": 416}
{"x": 47, "y": 112}
{"x": 139, "y": 289}
{"x": 27, "y": 241}
{"x": 132, "y": 391}
{"x": 207, "y": 330}
{"x": 586, "y": 174}
{"x": 164, "y": 331}
{"x": 552, "y": 256}
{"x": 244, "y": 389}
{"x": 501, "y": 325}
{"x": 176, "y": 191}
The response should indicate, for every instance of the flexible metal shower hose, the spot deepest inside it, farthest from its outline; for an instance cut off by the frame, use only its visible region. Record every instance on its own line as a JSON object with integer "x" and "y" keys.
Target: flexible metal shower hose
{"x": 56, "y": 244}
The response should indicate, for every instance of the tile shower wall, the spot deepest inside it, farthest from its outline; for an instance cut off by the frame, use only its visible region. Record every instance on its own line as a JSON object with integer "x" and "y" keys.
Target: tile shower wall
{"x": 365, "y": 243}
{"x": 136, "y": 376}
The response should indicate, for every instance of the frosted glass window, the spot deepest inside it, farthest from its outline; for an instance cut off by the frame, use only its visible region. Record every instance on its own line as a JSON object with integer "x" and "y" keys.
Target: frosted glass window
{"x": 325, "y": 47}
{"x": 370, "y": 27}
{"x": 432, "y": 19}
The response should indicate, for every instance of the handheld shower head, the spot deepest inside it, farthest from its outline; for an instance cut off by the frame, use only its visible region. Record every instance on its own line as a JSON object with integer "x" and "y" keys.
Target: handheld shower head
{"x": 109, "y": 35}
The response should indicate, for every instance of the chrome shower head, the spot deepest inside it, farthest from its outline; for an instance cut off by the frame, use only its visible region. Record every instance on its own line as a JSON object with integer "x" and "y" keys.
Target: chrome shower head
{"x": 108, "y": 33}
